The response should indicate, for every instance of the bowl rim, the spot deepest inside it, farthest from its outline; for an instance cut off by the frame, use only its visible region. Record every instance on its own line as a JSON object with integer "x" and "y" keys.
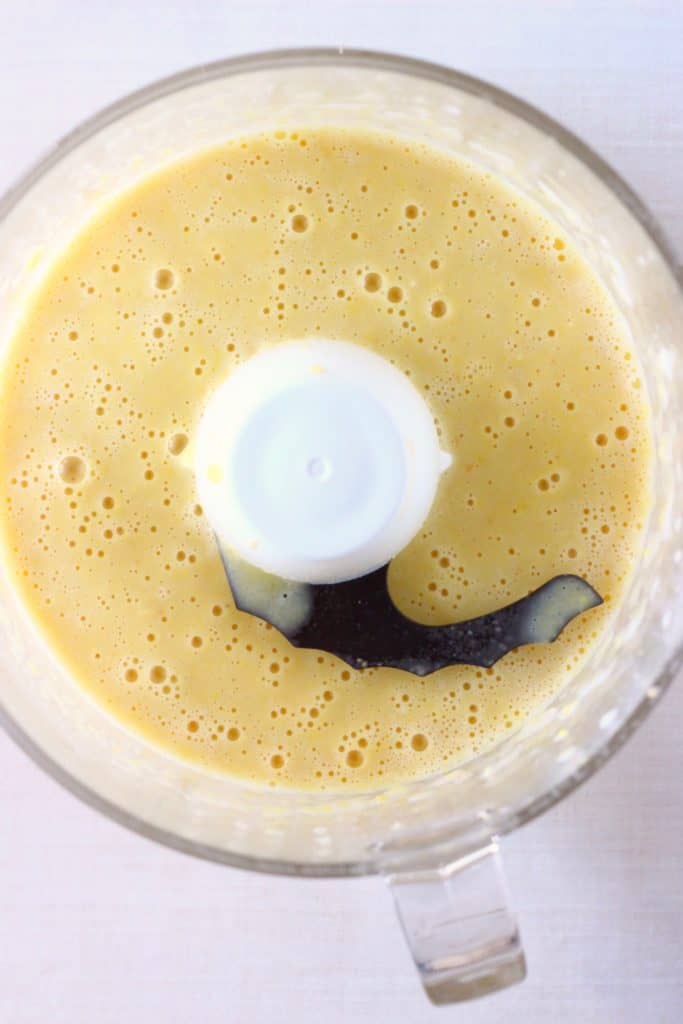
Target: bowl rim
{"x": 420, "y": 69}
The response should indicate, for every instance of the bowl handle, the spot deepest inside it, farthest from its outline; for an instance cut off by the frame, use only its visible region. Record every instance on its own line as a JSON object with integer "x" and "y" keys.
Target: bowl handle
{"x": 453, "y": 907}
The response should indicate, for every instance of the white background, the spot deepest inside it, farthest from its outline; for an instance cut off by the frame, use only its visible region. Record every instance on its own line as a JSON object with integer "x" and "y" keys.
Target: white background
{"x": 98, "y": 925}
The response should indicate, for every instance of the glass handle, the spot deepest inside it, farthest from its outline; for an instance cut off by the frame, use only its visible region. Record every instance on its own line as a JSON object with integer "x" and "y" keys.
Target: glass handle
{"x": 454, "y": 911}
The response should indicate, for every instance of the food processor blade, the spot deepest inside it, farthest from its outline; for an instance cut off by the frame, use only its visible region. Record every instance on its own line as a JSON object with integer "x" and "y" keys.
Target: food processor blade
{"x": 357, "y": 621}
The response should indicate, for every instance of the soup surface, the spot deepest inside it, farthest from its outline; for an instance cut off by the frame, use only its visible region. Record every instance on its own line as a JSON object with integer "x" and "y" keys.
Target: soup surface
{"x": 439, "y": 267}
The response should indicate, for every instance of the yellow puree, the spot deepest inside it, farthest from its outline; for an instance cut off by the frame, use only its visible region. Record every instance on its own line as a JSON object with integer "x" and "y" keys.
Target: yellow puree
{"x": 435, "y": 265}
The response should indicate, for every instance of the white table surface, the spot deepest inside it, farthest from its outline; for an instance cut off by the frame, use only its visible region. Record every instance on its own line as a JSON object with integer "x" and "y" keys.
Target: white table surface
{"x": 98, "y": 925}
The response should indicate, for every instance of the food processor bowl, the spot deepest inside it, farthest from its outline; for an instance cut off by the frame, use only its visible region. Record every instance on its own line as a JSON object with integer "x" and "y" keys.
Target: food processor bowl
{"x": 435, "y": 839}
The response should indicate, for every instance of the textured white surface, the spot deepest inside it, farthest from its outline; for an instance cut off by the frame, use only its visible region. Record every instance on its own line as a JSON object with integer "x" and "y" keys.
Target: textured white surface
{"x": 97, "y": 925}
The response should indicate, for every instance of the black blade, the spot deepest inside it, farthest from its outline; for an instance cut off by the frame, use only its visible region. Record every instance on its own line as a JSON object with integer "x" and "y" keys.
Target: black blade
{"x": 359, "y": 623}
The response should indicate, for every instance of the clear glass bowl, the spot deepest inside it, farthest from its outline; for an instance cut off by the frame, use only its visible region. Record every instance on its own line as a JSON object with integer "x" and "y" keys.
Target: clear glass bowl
{"x": 435, "y": 839}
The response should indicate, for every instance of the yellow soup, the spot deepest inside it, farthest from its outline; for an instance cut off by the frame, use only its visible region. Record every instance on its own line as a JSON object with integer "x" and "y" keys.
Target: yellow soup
{"x": 439, "y": 267}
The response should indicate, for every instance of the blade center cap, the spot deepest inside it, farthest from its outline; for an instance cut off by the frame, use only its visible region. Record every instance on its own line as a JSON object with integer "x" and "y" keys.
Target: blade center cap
{"x": 317, "y": 460}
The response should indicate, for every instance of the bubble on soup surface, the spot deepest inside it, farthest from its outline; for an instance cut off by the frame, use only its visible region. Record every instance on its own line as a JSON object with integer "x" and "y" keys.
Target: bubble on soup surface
{"x": 72, "y": 469}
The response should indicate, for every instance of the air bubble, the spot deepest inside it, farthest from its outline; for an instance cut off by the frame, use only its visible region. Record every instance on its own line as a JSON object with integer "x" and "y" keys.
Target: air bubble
{"x": 177, "y": 443}
{"x": 164, "y": 279}
{"x": 72, "y": 469}
{"x": 299, "y": 223}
